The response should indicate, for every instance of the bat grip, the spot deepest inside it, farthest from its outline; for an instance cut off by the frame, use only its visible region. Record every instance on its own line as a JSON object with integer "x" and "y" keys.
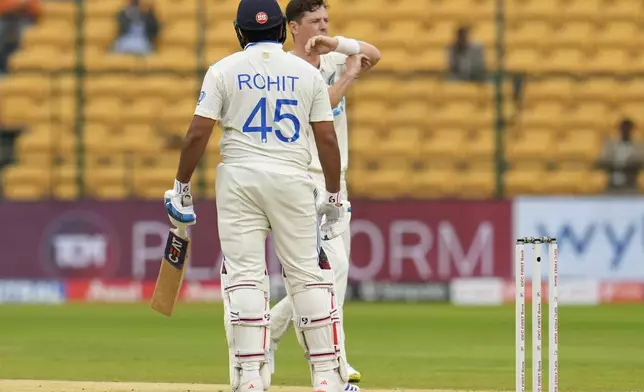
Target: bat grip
{"x": 181, "y": 231}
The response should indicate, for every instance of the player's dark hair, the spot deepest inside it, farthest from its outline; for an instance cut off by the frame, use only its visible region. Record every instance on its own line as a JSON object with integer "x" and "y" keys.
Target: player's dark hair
{"x": 272, "y": 34}
{"x": 296, "y": 9}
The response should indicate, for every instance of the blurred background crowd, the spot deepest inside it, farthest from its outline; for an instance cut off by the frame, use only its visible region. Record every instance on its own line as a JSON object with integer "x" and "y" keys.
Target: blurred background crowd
{"x": 473, "y": 99}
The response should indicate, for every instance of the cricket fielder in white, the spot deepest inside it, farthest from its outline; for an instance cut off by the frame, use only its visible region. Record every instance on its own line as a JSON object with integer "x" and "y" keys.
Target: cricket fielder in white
{"x": 270, "y": 105}
{"x": 340, "y": 61}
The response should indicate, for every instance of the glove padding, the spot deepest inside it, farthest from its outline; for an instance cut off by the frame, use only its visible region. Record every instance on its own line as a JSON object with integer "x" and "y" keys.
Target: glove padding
{"x": 333, "y": 215}
{"x": 179, "y": 207}
{"x": 336, "y": 222}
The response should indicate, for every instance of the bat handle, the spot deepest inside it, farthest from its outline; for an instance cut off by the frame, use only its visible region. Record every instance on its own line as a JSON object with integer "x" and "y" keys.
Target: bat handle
{"x": 181, "y": 231}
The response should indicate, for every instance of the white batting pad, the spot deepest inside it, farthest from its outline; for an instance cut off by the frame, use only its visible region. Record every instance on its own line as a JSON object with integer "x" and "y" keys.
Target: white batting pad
{"x": 247, "y": 318}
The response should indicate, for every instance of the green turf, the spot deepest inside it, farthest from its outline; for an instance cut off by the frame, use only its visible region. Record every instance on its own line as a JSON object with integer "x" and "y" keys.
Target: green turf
{"x": 393, "y": 345}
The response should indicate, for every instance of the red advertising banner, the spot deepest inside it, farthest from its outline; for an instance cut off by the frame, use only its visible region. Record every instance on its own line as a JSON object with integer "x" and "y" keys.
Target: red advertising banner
{"x": 410, "y": 241}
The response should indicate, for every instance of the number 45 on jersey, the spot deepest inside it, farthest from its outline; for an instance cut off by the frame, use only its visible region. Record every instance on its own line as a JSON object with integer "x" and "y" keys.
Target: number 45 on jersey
{"x": 264, "y": 129}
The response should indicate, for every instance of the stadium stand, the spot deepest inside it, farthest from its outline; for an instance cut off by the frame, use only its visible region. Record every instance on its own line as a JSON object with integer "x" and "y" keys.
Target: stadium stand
{"x": 410, "y": 136}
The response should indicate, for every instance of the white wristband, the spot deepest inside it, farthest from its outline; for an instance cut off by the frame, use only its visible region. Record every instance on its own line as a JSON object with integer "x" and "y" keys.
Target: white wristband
{"x": 180, "y": 187}
{"x": 331, "y": 198}
{"x": 348, "y": 46}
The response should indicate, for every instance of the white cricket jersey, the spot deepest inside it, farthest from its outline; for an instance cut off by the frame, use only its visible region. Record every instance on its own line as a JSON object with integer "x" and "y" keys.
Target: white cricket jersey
{"x": 265, "y": 99}
{"x": 332, "y": 67}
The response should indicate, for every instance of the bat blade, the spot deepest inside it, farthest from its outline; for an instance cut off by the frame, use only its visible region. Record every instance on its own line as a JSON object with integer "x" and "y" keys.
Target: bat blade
{"x": 170, "y": 279}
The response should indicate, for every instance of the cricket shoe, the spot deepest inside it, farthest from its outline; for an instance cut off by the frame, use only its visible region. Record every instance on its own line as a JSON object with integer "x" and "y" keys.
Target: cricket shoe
{"x": 354, "y": 375}
{"x": 330, "y": 381}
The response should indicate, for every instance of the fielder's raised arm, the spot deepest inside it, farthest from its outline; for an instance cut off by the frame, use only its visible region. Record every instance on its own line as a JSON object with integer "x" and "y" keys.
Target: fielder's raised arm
{"x": 362, "y": 56}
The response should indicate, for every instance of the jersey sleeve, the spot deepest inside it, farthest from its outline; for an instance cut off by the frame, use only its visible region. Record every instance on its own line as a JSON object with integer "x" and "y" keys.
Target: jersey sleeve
{"x": 211, "y": 98}
{"x": 321, "y": 109}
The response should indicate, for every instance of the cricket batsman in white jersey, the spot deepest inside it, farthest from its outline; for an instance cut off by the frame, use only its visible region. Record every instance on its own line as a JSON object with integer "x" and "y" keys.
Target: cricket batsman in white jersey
{"x": 270, "y": 105}
{"x": 340, "y": 61}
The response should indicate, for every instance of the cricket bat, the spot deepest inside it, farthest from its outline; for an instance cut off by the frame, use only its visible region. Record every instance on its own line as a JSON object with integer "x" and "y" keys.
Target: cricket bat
{"x": 168, "y": 286}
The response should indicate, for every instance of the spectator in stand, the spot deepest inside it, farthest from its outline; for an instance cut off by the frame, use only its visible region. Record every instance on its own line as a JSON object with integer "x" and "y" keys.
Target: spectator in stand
{"x": 466, "y": 59}
{"x": 623, "y": 159}
{"x": 138, "y": 28}
{"x": 15, "y": 17}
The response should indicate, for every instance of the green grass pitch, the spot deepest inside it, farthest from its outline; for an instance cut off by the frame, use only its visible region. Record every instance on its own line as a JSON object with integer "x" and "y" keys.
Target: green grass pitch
{"x": 407, "y": 346}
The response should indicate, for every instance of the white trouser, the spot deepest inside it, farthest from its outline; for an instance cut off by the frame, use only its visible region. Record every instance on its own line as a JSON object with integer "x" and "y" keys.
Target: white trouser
{"x": 250, "y": 203}
{"x": 338, "y": 252}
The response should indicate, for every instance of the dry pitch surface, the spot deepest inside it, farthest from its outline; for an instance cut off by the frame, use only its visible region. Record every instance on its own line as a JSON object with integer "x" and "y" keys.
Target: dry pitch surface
{"x": 91, "y": 386}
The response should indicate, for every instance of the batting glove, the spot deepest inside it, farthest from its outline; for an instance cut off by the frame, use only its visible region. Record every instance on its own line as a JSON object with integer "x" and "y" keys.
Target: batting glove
{"x": 334, "y": 215}
{"x": 178, "y": 205}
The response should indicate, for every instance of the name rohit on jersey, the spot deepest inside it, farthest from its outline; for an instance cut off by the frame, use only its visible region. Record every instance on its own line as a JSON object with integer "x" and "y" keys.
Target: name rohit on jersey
{"x": 261, "y": 82}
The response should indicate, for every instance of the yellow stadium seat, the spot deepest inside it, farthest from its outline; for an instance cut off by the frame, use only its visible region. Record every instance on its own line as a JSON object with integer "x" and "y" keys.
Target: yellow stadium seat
{"x": 609, "y": 60}
{"x": 23, "y": 110}
{"x": 480, "y": 184}
{"x": 460, "y": 114}
{"x": 596, "y": 89}
{"x": 429, "y": 59}
{"x": 438, "y": 33}
{"x": 622, "y": 10}
{"x": 31, "y": 86}
{"x": 367, "y": 28}
{"x": 107, "y": 182}
{"x": 577, "y": 34}
{"x": 435, "y": 183}
{"x": 105, "y": 110}
{"x": 557, "y": 89}
{"x": 578, "y": 145}
{"x": 473, "y": 10}
{"x": 363, "y": 141}
{"x": 370, "y": 112}
{"x": 580, "y": 10}
{"x": 528, "y": 34}
{"x": 35, "y": 140}
{"x": 106, "y": 85}
{"x": 52, "y": 33}
{"x": 102, "y": 9}
{"x": 564, "y": 59}
{"x": 616, "y": 34}
{"x": 30, "y": 181}
{"x": 566, "y": 182}
{"x": 180, "y": 112}
{"x": 174, "y": 59}
{"x": 630, "y": 90}
{"x": 524, "y": 182}
{"x": 524, "y": 59}
{"x": 544, "y": 114}
{"x": 148, "y": 183}
{"x": 179, "y": 9}
{"x": 412, "y": 90}
{"x": 142, "y": 111}
{"x": 57, "y": 10}
{"x": 377, "y": 87}
{"x": 360, "y": 10}
{"x": 32, "y": 59}
{"x": 401, "y": 141}
{"x": 394, "y": 59}
{"x": 587, "y": 115}
{"x": 521, "y": 10}
{"x": 480, "y": 145}
{"x": 531, "y": 144}
{"x": 444, "y": 143}
{"x": 25, "y": 192}
{"x": 471, "y": 92}
{"x": 100, "y": 32}
{"x": 409, "y": 113}
{"x": 396, "y": 35}
{"x": 182, "y": 32}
